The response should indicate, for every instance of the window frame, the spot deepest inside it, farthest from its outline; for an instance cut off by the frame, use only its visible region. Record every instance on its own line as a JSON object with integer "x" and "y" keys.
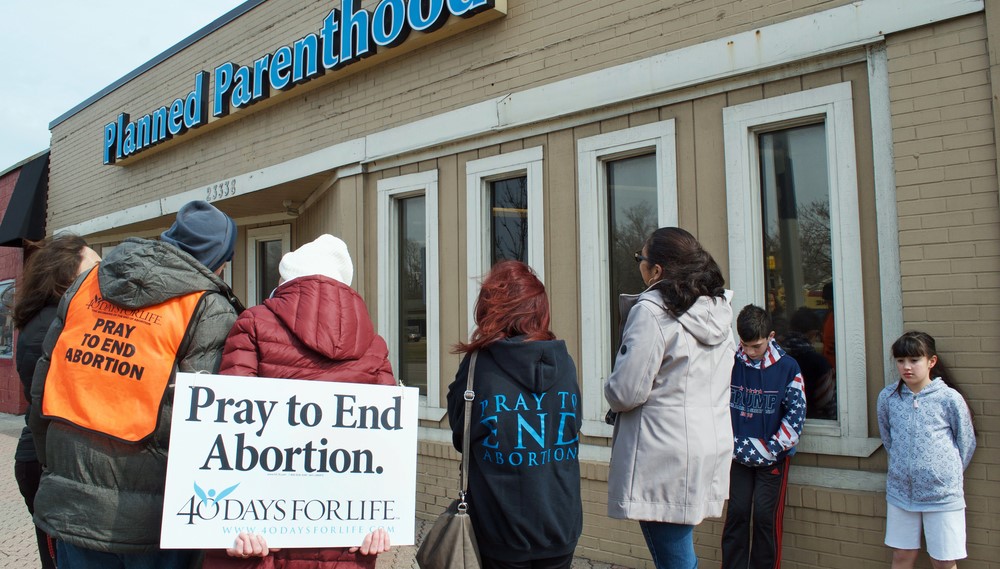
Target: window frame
{"x": 833, "y": 106}
{"x": 593, "y": 153}
{"x": 256, "y": 235}
{"x": 478, "y": 175}
{"x": 390, "y": 191}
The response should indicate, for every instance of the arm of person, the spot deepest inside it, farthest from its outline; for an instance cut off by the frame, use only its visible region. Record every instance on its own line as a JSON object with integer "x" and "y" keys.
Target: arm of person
{"x": 961, "y": 427}
{"x": 239, "y": 354}
{"x": 211, "y": 323}
{"x": 38, "y": 425}
{"x": 884, "y": 429}
{"x": 456, "y": 403}
{"x": 792, "y": 420}
{"x": 638, "y": 360}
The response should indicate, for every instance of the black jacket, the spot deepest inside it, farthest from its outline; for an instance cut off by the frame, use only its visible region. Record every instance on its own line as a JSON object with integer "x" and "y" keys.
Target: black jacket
{"x": 524, "y": 469}
{"x": 29, "y": 349}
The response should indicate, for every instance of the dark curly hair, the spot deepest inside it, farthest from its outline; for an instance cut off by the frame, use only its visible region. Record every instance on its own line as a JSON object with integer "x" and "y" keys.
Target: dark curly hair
{"x": 51, "y": 268}
{"x": 689, "y": 271}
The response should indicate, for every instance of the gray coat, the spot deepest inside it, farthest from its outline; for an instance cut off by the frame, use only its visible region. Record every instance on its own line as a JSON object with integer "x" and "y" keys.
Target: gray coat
{"x": 930, "y": 441}
{"x": 99, "y": 493}
{"x": 673, "y": 439}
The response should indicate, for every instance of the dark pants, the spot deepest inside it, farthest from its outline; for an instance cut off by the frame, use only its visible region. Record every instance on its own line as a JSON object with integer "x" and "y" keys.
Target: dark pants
{"x": 73, "y": 557}
{"x": 756, "y": 508}
{"x": 28, "y": 474}
{"x": 561, "y": 562}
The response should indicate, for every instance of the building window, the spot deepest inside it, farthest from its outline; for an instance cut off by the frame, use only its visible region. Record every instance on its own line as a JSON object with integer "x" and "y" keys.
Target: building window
{"x": 265, "y": 247}
{"x": 505, "y": 215}
{"x": 509, "y": 220}
{"x": 795, "y": 249}
{"x": 628, "y": 188}
{"x": 6, "y": 319}
{"x": 408, "y": 283}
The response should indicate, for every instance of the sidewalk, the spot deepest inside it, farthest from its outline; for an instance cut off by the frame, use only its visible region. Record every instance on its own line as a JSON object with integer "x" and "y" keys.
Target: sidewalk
{"x": 17, "y": 544}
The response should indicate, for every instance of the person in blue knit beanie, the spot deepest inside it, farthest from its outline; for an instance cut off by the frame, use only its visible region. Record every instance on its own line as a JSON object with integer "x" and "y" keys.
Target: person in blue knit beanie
{"x": 100, "y": 417}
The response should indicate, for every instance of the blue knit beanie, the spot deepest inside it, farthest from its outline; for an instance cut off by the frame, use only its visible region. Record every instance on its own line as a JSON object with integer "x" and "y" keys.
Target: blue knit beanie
{"x": 203, "y": 232}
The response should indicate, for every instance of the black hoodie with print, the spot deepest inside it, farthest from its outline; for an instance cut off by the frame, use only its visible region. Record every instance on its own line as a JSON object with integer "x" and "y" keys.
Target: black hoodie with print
{"x": 524, "y": 469}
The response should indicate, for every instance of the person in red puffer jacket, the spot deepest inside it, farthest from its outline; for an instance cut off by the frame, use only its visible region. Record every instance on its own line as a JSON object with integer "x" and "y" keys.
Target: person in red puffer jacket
{"x": 314, "y": 326}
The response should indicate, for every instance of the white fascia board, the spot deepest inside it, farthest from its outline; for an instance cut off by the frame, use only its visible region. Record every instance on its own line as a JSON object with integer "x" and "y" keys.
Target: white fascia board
{"x": 114, "y": 219}
{"x": 825, "y": 32}
{"x": 829, "y": 31}
{"x": 465, "y": 122}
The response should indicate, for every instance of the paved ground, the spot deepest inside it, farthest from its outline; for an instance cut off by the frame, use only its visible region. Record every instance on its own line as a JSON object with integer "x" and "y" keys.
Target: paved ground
{"x": 17, "y": 539}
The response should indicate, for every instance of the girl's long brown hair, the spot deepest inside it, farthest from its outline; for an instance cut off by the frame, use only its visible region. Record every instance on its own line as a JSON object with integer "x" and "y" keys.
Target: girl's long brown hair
{"x": 51, "y": 268}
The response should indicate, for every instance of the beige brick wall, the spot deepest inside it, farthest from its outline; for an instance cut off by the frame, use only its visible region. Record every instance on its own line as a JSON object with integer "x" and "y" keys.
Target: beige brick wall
{"x": 949, "y": 231}
{"x": 536, "y": 43}
{"x": 823, "y": 528}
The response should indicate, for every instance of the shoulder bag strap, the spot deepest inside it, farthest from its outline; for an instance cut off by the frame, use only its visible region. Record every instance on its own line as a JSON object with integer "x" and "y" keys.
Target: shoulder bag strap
{"x": 469, "y": 395}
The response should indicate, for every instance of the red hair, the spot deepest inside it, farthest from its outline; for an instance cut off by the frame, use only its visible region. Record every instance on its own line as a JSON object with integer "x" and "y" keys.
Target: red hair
{"x": 512, "y": 302}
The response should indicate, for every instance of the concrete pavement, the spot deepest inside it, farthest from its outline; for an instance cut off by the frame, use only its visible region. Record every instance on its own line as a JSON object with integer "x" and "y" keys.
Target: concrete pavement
{"x": 17, "y": 538}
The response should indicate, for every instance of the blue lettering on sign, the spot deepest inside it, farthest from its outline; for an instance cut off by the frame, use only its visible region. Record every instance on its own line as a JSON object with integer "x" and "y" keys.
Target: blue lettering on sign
{"x": 527, "y": 418}
{"x": 124, "y": 138}
{"x": 347, "y": 35}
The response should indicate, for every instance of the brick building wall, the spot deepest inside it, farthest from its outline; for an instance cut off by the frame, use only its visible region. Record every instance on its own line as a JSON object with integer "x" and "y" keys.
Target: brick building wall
{"x": 11, "y": 394}
{"x": 949, "y": 232}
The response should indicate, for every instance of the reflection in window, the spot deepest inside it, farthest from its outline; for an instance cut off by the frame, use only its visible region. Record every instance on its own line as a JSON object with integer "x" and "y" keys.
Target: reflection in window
{"x": 268, "y": 258}
{"x": 798, "y": 270}
{"x": 509, "y": 220}
{"x": 632, "y": 217}
{"x": 6, "y": 319}
{"x": 412, "y": 293}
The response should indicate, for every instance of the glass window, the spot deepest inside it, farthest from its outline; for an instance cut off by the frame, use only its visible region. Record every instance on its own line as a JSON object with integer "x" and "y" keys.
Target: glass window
{"x": 504, "y": 207}
{"x": 509, "y": 220}
{"x": 268, "y": 257}
{"x": 412, "y": 368}
{"x": 798, "y": 271}
{"x": 265, "y": 246}
{"x": 408, "y": 290}
{"x": 6, "y": 319}
{"x": 631, "y": 218}
{"x": 627, "y": 183}
{"x": 795, "y": 248}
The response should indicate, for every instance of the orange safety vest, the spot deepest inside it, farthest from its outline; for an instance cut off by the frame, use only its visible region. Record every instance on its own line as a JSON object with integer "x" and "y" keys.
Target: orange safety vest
{"x": 110, "y": 367}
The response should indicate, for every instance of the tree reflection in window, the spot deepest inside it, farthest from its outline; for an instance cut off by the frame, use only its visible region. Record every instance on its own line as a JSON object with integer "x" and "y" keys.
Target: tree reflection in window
{"x": 509, "y": 220}
{"x": 632, "y": 211}
{"x": 798, "y": 269}
{"x": 412, "y": 315}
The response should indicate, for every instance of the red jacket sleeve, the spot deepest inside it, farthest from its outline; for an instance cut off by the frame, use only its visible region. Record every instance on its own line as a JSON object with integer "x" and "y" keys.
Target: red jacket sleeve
{"x": 239, "y": 355}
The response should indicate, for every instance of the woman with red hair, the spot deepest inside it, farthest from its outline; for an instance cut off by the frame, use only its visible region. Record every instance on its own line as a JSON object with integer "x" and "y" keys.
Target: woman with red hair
{"x": 524, "y": 470}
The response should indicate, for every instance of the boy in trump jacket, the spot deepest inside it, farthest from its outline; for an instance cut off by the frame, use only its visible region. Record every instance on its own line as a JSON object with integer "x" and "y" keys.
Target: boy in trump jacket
{"x": 768, "y": 407}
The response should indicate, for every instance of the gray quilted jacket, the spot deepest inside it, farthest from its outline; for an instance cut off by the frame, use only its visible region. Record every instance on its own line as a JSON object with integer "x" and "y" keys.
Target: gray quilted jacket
{"x": 100, "y": 493}
{"x": 930, "y": 441}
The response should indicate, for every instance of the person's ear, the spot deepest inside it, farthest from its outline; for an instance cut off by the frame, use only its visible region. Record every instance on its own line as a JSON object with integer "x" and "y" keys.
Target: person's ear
{"x": 931, "y": 362}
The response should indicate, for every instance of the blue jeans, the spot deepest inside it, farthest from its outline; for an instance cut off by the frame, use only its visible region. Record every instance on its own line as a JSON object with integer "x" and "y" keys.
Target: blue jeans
{"x": 73, "y": 557}
{"x": 671, "y": 545}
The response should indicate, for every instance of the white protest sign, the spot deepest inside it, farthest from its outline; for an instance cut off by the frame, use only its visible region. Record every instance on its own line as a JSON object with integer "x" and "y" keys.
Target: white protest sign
{"x": 303, "y": 463}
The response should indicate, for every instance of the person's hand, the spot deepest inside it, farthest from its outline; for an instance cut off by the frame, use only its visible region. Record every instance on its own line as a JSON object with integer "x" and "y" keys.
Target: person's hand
{"x": 376, "y": 542}
{"x": 249, "y": 545}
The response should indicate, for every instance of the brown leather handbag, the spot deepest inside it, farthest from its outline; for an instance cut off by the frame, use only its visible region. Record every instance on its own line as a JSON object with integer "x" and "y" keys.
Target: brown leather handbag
{"x": 451, "y": 543}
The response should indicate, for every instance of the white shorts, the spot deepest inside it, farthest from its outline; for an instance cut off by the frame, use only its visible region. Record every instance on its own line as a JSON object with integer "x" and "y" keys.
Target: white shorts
{"x": 943, "y": 531}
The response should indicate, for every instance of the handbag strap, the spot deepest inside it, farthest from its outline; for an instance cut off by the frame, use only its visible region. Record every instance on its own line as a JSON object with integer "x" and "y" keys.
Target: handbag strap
{"x": 469, "y": 395}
